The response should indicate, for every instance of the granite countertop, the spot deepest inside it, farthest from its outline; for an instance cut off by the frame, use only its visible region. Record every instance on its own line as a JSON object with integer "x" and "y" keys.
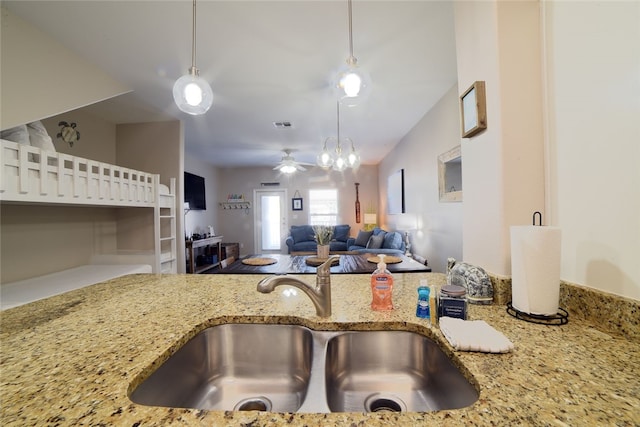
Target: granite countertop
{"x": 72, "y": 359}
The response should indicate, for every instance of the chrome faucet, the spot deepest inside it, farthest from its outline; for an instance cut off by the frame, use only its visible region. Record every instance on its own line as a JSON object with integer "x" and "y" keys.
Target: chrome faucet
{"x": 320, "y": 294}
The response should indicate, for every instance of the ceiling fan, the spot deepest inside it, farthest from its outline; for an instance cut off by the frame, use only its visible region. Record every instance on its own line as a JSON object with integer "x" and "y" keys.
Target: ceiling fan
{"x": 289, "y": 165}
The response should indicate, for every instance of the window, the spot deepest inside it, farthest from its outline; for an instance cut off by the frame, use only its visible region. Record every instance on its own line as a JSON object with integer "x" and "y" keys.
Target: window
{"x": 323, "y": 207}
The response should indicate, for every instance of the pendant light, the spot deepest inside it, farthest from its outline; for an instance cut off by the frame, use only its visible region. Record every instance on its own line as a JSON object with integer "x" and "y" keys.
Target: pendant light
{"x": 338, "y": 161}
{"x": 352, "y": 83}
{"x": 191, "y": 92}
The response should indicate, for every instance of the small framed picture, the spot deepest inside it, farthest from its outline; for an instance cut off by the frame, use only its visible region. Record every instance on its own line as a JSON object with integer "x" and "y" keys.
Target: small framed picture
{"x": 296, "y": 203}
{"x": 473, "y": 110}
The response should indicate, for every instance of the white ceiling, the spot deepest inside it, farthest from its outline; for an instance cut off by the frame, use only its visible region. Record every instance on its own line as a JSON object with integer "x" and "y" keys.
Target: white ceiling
{"x": 267, "y": 61}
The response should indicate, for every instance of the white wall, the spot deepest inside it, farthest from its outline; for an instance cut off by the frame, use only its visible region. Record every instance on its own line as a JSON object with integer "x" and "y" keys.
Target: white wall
{"x": 503, "y": 170}
{"x": 593, "y": 71}
{"x": 238, "y": 227}
{"x": 155, "y": 147}
{"x": 437, "y": 227}
{"x": 97, "y": 136}
{"x": 41, "y": 78}
{"x": 198, "y": 221}
{"x": 562, "y": 80}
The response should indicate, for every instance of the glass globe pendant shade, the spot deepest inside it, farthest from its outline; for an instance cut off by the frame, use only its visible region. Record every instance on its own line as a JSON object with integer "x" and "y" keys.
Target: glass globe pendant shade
{"x": 324, "y": 159}
{"x": 340, "y": 163}
{"x": 192, "y": 94}
{"x": 353, "y": 158}
{"x": 352, "y": 84}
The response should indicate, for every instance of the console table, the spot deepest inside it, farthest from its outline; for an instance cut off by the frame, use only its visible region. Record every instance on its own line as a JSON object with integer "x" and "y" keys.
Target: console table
{"x": 193, "y": 244}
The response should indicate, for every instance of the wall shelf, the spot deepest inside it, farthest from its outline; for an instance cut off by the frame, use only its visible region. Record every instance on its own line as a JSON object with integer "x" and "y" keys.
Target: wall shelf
{"x": 235, "y": 205}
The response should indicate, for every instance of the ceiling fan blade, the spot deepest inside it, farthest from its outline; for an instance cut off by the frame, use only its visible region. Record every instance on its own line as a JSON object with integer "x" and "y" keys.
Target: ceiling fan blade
{"x": 300, "y": 167}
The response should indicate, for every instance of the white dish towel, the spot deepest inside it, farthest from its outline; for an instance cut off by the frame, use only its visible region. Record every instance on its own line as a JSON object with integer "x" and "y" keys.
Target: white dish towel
{"x": 474, "y": 335}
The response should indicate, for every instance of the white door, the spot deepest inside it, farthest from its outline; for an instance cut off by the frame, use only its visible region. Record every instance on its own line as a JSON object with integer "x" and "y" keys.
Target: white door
{"x": 270, "y": 219}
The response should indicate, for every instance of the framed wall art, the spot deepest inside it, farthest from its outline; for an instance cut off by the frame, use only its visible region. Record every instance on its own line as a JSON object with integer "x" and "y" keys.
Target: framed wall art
{"x": 473, "y": 110}
{"x": 296, "y": 203}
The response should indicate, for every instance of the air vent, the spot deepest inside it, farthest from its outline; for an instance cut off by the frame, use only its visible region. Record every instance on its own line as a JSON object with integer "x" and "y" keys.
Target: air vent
{"x": 270, "y": 184}
{"x": 282, "y": 125}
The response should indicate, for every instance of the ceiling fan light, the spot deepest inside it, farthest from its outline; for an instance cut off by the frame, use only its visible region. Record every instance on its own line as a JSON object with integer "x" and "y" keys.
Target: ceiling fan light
{"x": 192, "y": 94}
{"x": 288, "y": 169}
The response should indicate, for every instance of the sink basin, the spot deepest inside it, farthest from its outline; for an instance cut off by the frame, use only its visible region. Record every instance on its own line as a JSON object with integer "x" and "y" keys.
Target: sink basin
{"x": 287, "y": 368}
{"x": 393, "y": 371}
{"x": 235, "y": 367}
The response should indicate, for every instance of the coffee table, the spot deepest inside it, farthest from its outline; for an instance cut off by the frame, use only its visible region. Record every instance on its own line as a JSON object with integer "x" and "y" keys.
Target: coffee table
{"x": 296, "y": 264}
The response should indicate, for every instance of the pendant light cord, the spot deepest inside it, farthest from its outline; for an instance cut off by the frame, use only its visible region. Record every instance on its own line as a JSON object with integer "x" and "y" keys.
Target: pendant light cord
{"x": 193, "y": 38}
{"x": 350, "y": 31}
{"x": 338, "y": 147}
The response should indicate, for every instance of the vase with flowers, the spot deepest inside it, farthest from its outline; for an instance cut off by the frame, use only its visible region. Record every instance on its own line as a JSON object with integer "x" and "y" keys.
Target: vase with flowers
{"x": 322, "y": 236}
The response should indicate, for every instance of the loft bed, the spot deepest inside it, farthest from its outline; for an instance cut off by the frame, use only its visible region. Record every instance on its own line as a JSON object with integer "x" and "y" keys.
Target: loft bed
{"x": 31, "y": 175}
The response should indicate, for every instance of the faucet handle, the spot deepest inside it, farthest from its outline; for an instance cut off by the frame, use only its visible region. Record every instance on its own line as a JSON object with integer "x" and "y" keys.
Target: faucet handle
{"x": 324, "y": 269}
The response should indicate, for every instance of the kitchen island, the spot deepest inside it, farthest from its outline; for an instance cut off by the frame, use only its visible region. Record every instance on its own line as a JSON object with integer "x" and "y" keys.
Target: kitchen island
{"x": 73, "y": 359}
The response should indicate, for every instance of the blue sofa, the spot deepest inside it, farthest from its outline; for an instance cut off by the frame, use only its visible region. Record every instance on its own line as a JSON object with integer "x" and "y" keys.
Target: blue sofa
{"x": 300, "y": 239}
{"x": 379, "y": 241}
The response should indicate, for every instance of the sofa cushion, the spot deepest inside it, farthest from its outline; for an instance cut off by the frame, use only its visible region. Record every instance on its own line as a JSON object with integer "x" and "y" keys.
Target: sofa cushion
{"x": 336, "y": 246}
{"x": 392, "y": 240}
{"x": 360, "y": 250}
{"x": 308, "y": 246}
{"x": 302, "y": 233}
{"x": 363, "y": 238}
{"x": 375, "y": 242}
{"x": 378, "y": 230}
{"x": 341, "y": 232}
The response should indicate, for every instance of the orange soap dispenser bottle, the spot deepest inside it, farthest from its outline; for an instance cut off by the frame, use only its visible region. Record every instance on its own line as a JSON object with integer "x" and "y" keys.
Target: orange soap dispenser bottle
{"x": 381, "y": 287}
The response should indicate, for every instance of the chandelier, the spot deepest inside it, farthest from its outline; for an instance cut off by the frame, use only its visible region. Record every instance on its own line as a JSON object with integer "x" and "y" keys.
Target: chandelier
{"x": 338, "y": 160}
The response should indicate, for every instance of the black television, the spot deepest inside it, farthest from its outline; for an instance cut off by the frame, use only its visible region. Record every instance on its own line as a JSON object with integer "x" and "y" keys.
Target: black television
{"x": 194, "y": 193}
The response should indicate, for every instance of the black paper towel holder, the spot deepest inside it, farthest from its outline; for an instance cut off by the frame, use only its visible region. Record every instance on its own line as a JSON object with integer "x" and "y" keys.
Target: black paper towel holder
{"x": 539, "y": 215}
{"x": 560, "y": 318}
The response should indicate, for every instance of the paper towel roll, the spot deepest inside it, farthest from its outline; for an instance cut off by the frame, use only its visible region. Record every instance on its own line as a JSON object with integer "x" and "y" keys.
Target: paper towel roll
{"x": 535, "y": 269}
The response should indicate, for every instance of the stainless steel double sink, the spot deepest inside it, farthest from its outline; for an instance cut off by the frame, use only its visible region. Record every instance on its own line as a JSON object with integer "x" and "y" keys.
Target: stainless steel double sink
{"x": 290, "y": 368}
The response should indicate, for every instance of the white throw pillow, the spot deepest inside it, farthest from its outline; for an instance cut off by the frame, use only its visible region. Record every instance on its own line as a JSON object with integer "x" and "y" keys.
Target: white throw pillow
{"x": 39, "y": 136}
{"x": 18, "y": 134}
